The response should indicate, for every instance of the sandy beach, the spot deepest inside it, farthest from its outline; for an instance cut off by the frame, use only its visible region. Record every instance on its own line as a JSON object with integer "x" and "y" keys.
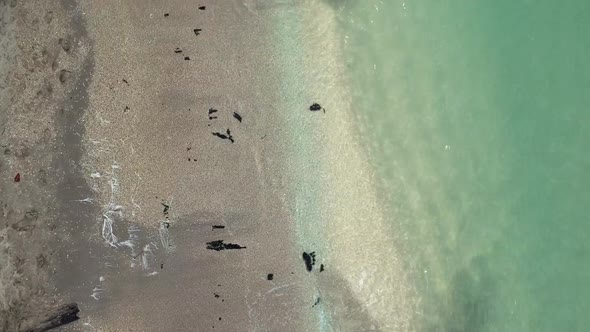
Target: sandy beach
{"x": 169, "y": 177}
{"x": 140, "y": 183}
{"x": 39, "y": 51}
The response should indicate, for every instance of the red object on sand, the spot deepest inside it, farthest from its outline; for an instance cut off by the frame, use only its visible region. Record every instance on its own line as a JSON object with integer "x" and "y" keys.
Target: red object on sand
{"x": 17, "y": 177}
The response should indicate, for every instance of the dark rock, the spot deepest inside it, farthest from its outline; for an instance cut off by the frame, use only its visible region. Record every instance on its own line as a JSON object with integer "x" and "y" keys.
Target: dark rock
{"x": 201, "y": 7}
{"x": 217, "y": 227}
{"x": 238, "y": 116}
{"x": 197, "y": 31}
{"x": 269, "y": 276}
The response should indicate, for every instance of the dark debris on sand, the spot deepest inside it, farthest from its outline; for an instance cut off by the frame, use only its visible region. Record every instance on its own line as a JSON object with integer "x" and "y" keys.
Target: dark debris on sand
{"x": 316, "y": 107}
{"x": 226, "y": 136}
{"x": 219, "y": 246}
{"x": 316, "y": 302}
{"x": 309, "y": 259}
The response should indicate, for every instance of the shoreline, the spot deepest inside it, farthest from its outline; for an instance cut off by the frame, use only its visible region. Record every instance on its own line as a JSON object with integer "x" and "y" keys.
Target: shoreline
{"x": 162, "y": 180}
{"x": 140, "y": 183}
{"x": 346, "y": 225}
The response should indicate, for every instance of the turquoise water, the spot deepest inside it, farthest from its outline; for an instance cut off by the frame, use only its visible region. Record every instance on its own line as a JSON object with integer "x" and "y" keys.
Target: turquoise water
{"x": 476, "y": 115}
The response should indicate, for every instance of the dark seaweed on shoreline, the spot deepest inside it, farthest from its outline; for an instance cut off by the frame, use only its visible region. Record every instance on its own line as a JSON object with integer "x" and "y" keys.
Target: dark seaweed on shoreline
{"x": 219, "y": 245}
{"x": 309, "y": 260}
{"x": 227, "y": 136}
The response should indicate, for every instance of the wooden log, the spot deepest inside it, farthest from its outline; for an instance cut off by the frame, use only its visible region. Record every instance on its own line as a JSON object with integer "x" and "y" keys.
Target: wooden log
{"x": 59, "y": 316}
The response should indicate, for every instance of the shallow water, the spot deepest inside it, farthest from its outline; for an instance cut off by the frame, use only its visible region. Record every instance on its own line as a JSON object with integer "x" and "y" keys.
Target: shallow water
{"x": 475, "y": 117}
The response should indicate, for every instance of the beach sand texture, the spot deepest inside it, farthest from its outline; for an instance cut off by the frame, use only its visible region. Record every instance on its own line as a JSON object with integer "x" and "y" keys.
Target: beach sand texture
{"x": 38, "y": 51}
{"x": 171, "y": 172}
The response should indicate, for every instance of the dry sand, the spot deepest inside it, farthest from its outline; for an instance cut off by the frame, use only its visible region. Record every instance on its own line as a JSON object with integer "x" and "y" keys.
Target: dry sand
{"x": 37, "y": 48}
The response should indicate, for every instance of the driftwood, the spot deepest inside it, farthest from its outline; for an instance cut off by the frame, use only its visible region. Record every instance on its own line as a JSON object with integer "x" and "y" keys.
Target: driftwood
{"x": 59, "y": 316}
